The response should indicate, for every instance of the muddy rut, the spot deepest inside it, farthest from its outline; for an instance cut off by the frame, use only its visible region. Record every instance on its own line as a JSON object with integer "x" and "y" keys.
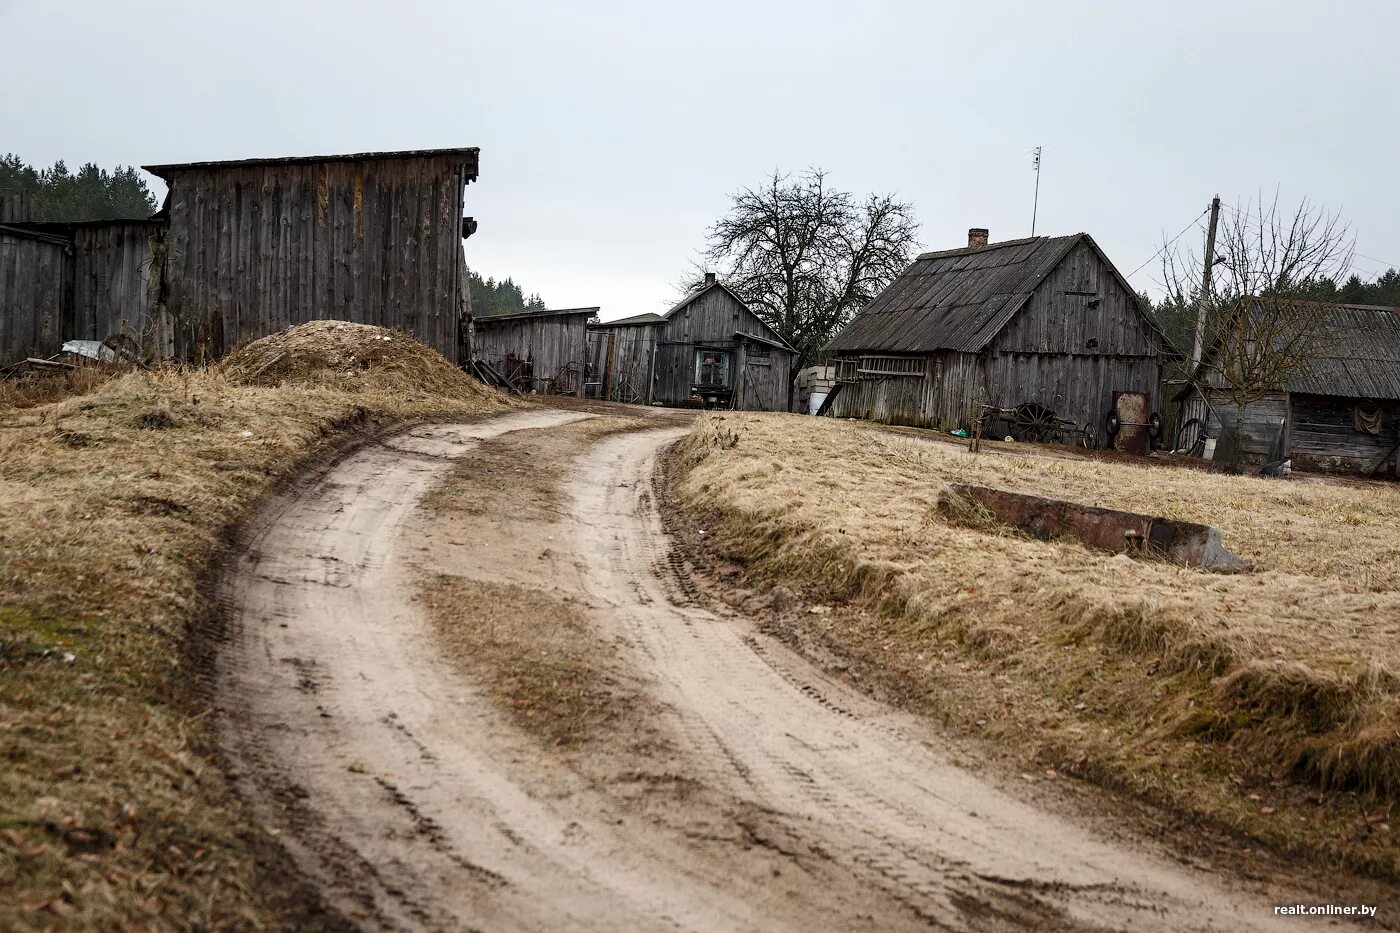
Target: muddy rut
{"x": 405, "y": 793}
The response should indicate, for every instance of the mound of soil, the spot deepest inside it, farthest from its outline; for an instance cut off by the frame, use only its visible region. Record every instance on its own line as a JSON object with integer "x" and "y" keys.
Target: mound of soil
{"x": 350, "y": 358}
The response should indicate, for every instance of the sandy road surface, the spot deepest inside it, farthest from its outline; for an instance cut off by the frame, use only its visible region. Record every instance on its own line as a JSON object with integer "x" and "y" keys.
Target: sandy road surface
{"x": 406, "y": 796}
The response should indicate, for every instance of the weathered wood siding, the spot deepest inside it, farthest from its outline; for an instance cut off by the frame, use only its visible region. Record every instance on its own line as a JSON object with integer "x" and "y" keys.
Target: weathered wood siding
{"x": 1323, "y": 433}
{"x": 33, "y": 294}
{"x": 1079, "y": 339}
{"x": 552, "y": 342}
{"x": 634, "y": 358}
{"x": 1257, "y": 431}
{"x": 1076, "y": 387}
{"x": 1058, "y": 317}
{"x": 903, "y": 399}
{"x": 763, "y": 377}
{"x": 253, "y": 249}
{"x": 946, "y": 392}
{"x": 111, "y": 280}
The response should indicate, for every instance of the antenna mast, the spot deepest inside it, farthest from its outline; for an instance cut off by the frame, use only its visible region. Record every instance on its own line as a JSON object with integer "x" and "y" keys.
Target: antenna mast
{"x": 1035, "y": 205}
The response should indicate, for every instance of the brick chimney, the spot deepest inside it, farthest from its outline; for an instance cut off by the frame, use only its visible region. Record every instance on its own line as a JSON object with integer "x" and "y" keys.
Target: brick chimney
{"x": 977, "y": 236}
{"x": 709, "y": 279}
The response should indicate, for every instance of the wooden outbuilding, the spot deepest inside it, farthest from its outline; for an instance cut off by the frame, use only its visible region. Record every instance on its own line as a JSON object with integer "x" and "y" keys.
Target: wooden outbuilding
{"x": 536, "y": 351}
{"x": 87, "y": 280}
{"x": 254, "y": 246}
{"x": 709, "y": 349}
{"x": 1341, "y": 412}
{"x": 1045, "y": 326}
{"x": 33, "y": 293}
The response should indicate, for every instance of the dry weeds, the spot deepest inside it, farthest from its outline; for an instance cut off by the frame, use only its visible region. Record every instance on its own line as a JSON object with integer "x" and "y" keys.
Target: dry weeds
{"x": 1268, "y": 701}
{"x": 114, "y": 506}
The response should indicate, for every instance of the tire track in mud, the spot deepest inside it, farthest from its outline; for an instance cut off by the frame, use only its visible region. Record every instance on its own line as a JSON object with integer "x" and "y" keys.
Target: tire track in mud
{"x": 411, "y": 800}
{"x": 957, "y": 851}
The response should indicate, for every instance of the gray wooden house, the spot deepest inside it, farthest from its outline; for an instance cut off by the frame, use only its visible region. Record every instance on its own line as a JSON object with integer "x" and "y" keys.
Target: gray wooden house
{"x": 1046, "y": 322}
{"x": 1341, "y": 412}
{"x": 539, "y": 351}
{"x": 254, "y": 246}
{"x": 87, "y": 280}
{"x": 709, "y": 349}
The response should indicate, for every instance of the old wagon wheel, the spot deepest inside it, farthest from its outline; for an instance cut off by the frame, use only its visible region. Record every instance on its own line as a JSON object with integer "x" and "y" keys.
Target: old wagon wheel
{"x": 1033, "y": 421}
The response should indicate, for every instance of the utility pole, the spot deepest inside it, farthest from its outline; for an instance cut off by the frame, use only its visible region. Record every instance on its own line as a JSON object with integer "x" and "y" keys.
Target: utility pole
{"x": 1035, "y": 205}
{"x": 1209, "y": 266}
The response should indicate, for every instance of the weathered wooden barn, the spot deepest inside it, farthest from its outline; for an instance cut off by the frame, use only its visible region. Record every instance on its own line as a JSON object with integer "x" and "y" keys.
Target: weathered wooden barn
{"x": 540, "y": 351}
{"x": 1046, "y": 322}
{"x": 257, "y": 245}
{"x": 86, "y": 280}
{"x": 1341, "y": 412}
{"x": 709, "y": 348}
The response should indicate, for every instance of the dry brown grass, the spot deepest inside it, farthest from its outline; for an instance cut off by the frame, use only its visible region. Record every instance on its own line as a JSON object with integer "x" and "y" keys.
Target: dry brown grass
{"x": 114, "y": 506}
{"x": 1266, "y": 700}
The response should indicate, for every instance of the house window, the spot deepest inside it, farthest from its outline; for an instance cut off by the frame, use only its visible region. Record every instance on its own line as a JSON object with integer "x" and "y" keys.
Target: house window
{"x": 712, "y": 368}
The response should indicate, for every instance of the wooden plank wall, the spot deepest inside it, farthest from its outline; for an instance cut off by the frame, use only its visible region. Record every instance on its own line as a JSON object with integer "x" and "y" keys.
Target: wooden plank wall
{"x": 1058, "y": 317}
{"x": 1324, "y": 436}
{"x": 634, "y": 359}
{"x": 1260, "y": 426}
{"x": 255, "y": 249}
{"x": 33, "y": 295}
{"x": 1079, "y": 388}
{"x": 939, "y": 397}
{"x": 552, "y": 341}
{"x": 111, "y": 277}
{"x": 763, "y": 374}
{"x": 908, "y": 399}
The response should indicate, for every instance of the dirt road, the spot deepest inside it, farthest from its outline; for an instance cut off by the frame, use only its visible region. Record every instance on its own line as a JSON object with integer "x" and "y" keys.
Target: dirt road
{"x": 409, "y": 796}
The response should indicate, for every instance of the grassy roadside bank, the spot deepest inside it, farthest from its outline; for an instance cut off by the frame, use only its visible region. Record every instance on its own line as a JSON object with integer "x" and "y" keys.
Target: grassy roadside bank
{"x": 115, "y": 504}
{"x": 1265, "y": 702}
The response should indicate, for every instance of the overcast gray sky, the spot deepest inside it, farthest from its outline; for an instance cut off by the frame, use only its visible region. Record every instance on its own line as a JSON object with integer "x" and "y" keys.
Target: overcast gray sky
{"x": 611, "y": 134}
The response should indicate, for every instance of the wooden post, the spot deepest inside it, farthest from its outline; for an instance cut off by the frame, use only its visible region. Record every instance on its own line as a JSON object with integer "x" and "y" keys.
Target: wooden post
{"x": 651, "y": 372}
{"x": 608, "y": 366}
{"x": 1199, "y": 348}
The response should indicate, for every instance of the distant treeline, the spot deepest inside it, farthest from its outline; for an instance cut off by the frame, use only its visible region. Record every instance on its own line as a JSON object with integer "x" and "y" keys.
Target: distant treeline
{"x": 504, "y": 297}
{"x": 90, "y": 193}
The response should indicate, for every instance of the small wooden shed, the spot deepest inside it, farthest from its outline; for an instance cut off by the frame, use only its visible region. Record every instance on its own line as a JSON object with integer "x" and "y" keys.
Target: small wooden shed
{"x": 254, "y": 246}
{"x": 540, "y": 351}
{"x": 1046, "y": 323}
{"x": 709, "y": 349}
{"x": 1340, "y": 412}
{"x": 33, "y": 293}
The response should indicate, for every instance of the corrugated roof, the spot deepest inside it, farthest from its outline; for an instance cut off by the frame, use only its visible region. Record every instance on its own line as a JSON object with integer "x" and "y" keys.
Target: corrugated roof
{"x": 1360, "y": 355}
{"x": 519, "y": 315}
{"x": 470, "y": 154}
{"x": 956, "y": 299}
{"x": 648, "y": 318}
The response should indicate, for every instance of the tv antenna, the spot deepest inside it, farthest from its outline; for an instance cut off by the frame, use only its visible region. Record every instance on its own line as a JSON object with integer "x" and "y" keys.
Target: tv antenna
{"x": 1035, "y": 205}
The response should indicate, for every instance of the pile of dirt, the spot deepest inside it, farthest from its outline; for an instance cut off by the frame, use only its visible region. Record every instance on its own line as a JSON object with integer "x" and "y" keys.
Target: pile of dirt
{"x": 350, "y": 357}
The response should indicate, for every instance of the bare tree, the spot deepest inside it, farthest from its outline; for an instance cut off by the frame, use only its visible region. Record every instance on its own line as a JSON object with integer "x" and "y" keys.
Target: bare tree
{"x": 1262, "y": 320}
{"x": 806, "y": 257}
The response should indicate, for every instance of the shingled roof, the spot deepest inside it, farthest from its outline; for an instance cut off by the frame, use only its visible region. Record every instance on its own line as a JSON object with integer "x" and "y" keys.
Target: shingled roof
{"x": 957, "y": 299}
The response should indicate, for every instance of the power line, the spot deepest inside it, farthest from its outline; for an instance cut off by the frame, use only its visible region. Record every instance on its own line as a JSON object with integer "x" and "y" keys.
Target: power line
{"x": 1195, "y": 222}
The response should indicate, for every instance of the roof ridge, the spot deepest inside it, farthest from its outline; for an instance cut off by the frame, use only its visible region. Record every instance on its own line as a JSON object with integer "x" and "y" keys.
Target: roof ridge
{"x": 939, "y": 254}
